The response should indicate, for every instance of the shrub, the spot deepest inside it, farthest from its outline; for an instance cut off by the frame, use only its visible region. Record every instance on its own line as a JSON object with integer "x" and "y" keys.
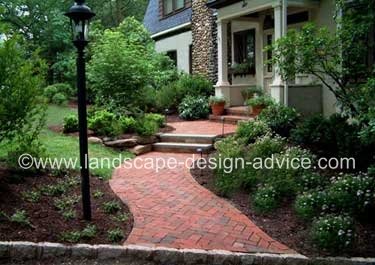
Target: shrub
{"x": 265, "y": 199}
{"x": 104, "y": 123}
{"x": 59, "y": 88}
{"x": 250, "y": 130}
{"x": 157, "y": 118}
{"x": 21, "y": 79}
{"x": 65, "y": 89}
{"x": 251, "y": 91}
{"x": 146, "y": 127}
{"x": 333, "y": 232}
{"x": 111, "y": 207}
{"x": 115, "y": 235}
{"x": 310, "y": 204}
{"x": 311, "y": 181}
{"x": 194, "y": 108}
{"x": 280, "y": 119}
{"x": 21, "y": 218}
{"x": 264, "y": 101}
{"x": 89, "y": 232}
{"x": 70, "y": 124}
{"x": 49, "y": 92}
{"x": 216, "y": 100}
{"x": 59, "y": 99}
{"x": 128, "y": 124}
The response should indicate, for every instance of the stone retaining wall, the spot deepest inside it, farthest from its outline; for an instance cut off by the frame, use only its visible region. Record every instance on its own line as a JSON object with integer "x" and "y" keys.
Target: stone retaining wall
{"x": 26, "y": 251}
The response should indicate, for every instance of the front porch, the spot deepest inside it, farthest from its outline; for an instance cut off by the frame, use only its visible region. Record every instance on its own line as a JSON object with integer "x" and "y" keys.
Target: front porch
{"x": 244, "y": 30}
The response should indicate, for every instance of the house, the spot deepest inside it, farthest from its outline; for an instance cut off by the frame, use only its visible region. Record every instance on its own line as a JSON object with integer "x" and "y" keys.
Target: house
{"x": 225, "y": 40}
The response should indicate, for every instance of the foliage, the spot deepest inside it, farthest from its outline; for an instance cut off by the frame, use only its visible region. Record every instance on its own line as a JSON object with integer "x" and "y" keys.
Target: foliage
{"x": 123, "y": 63}
{"x": 263, "y": 101}
{"x": 104, "y": 123}
{"x": 251, "y": 91}
{"x": 20, "y": 83}
{"x": 333, "y": 232}
{"x": 20, "y": 217}
{"x": 123, "y": 217}
{"x": 159, "y": 119}
{"x": 280, "y": 119}
{"x": 265, "y": 199}
{"x": 59, "y": 99}
{"x": 31, "y": 196}
{"x": 172, "y": 94}
{"x": 146, "y": 127}
{"x": 250, "y": 130}
{"x": 115, "y": 235}
{"x": 89, "y": 232}
{"x": 70, "y": 124}
{"x": 194, "y": 108}
{"x": 98, "y": 194}
{"x": 111, "y": 207}
{"x": 216, "y": 100}
{"x": 128, "y": 124}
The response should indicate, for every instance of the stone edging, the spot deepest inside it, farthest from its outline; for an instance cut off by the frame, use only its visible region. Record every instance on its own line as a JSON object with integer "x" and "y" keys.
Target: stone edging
{"x": 160, "y": 255}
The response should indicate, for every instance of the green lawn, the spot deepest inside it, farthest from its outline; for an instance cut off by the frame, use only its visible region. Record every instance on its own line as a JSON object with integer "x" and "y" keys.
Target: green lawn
{"x": 62, "y": 146}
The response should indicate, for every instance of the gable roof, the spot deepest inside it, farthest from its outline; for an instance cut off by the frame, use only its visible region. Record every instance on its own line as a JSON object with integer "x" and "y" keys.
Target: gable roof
{"x": 155, "y": 25}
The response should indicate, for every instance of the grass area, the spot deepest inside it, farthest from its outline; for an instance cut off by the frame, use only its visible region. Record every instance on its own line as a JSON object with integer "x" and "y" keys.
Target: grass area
{"x": 67, "y": 147}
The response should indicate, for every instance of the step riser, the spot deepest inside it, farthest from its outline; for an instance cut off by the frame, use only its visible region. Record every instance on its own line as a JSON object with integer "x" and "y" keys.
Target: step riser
{"x": 168, "y": 149}
{"x": 228, "y": 120}
{"x": 238, "y": 112}
{"x": 191, "y": 140}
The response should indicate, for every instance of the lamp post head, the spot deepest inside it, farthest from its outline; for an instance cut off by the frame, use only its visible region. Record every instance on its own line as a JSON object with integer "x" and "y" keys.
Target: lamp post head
{"x": 80, "y": 16}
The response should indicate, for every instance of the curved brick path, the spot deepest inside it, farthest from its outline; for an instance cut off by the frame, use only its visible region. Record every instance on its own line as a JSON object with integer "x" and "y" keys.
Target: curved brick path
{"x": 172, "y": 210}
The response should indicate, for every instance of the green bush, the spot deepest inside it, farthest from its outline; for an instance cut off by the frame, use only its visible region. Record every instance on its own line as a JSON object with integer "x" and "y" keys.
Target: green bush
{"x": 310, "y": 204}
{"x": 128, "y": 124}
{"x": 333, "y": 232}
{"x": 311, "y": 181}
{"x": 264, "y": 101}
{"x": 70, "y": 124}
{"x": 146, "y": 127}
{"x": 59, "y": 99}
{"x": 194, "y": 108}
{"x": 265, "y": 199}
{"x": 159, "y": 119}
{"x": 104, "y": 123}
{"x": 49, "y": 92}
{"x": 280, "y": 119}
{"x": 249, "y": 131}
{"x": 115, "y": 235}
{"x": 111, "y": 207}
{"x": 171, "y": 95}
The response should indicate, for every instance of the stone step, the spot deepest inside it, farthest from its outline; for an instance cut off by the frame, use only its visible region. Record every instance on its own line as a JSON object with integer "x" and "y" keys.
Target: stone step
{"x": 187, "y": 138}
{"x": 182, "y": 147}
{"x": 238, "y": 111}
{"x": 229, "y": 119}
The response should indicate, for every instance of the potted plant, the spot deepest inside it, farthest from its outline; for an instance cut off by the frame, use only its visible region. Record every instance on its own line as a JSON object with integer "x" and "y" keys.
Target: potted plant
{"x": 249, "y": 92}
{"x": 259, "y": 103}
{"x": 217, "y": 105}
{"x": 242, "y": 69}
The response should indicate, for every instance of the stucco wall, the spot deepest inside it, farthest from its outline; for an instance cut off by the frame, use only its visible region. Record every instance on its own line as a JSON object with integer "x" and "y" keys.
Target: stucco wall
{"x": 179, "y": 43}
{"x": 324, "y": 18}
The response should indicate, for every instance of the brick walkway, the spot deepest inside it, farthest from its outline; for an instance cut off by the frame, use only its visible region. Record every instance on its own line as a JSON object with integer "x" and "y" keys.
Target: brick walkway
{"x": 172, "y": 210}
{"x": 202, "y": 127}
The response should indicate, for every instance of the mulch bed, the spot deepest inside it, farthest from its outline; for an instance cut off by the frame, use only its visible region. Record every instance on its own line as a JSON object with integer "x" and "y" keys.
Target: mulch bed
{"x": 285, "y": 226}
{"x": 47, "y": 223}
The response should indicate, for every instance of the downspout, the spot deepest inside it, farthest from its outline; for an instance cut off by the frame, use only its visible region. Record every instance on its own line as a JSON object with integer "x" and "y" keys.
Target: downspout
{"x": 284, "y": 31}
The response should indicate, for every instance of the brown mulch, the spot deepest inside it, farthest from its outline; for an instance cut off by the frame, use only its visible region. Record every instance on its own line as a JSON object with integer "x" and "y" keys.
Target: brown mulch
{"x": 47, "y": 223}
{"x": 285, "y": 226}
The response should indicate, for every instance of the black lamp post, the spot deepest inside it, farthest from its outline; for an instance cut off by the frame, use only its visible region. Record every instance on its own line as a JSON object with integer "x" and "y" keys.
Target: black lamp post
{"x": 80, "y": 16}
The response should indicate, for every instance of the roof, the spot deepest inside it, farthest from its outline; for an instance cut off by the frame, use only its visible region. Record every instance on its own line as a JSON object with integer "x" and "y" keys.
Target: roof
{"x": 155, "y": 25}
{"x": 221, "y": 3}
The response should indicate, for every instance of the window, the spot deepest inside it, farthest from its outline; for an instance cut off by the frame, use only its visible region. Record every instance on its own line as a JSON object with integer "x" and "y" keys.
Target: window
{"x": 170, "y": 6}
{"x": 173, "y": 56}
{"x": 244, "y": 50}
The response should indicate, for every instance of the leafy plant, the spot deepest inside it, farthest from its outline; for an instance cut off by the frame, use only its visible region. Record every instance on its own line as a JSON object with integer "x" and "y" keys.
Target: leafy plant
{"x": 249, "y": 131}
{"x": 159, "y": 119}
{"x": 69, "y": 214}
{"x": 115, "y": 235}
{"x": 89, "y": 232}
{"x": 194, "y": 108}
{"x": 263, "y": 101}
{"x": 98, "y": 194}
{"x": 104, "y": 123}
{"x": 70, "y": 124}
{"x": 66, "y": 202}
{"x": 128, "y": 124}
{"x": 71, "y": 237}
{"x": 333, "y": 232}
{"x": 249, "y": 92}
{"x": 121, "y": 218}
{"x": 20, "y": 217}
{"x": 146, "y": 127}
{"x": 216, "y": 100}
{"x": 265, "y": 199}
{"x": 280, "y": 119}
{"x": 59, "y": 99}
{"x": 111, "y": 207}
{"x": 31, "y": 196}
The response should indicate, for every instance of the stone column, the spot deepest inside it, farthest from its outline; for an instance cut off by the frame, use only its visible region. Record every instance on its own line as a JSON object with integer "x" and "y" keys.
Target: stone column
{"x": 280, "y": 15}
{"x": 222, "y": 39}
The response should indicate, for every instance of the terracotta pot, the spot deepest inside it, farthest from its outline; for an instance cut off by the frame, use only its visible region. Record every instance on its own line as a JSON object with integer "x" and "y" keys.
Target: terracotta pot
{"x": 257, "y": 109}
{"x": 218, "y": 108}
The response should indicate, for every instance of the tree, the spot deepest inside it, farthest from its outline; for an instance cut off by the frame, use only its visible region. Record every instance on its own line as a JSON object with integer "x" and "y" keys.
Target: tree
{"x": 336, "y": 59}
{"x": 20, "y": 87}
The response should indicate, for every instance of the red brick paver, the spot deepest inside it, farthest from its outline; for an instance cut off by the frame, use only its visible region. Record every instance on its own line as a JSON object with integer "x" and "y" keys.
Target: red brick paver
{"x": 202, "y": 127}
{"x": 172, "y": 210}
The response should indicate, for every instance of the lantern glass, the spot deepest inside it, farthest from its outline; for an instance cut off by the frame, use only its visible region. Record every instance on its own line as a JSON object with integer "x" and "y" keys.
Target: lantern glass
{"x": 80, "y": 30}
